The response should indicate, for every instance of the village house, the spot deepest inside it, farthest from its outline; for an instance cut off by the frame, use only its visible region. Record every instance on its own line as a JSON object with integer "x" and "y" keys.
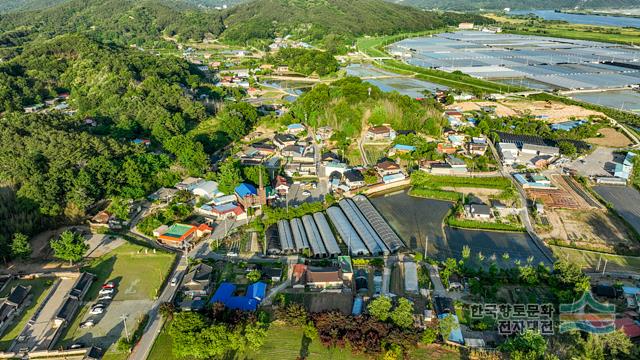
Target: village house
{"x": 250, "y": 197}
{"x": 206, "y": 189}
{"x": 446, "y": 148}
{"x": 295, "y": 129}
{"x": 324, "y": 133}
{"x": 323, "y": 278}
{"x": 457, "y": 164}
{"x": 163, "y": 194}
{"x": 300, "y": 169}
{"x": 478, "y": 211}
{"x": 399, "y": 149}
{"x": 228, "y": 210}
{"x": 284, "y": 140}
{"x": 381, "y": 133}
{"x": 188, "y": 183}
{"x": 353, "y": 179}
{"x": 330, "y": 156}
{"x": 264, "y": 149}
{"x": 477, "y": 146}
{"x": 388, "y": 167}
{"x": 197, "y": 282}
{"x": 281, "y": 185}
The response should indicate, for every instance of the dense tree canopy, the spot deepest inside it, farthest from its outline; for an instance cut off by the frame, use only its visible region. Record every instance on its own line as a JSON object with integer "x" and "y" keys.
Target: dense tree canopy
{"x": 306, "y": 61}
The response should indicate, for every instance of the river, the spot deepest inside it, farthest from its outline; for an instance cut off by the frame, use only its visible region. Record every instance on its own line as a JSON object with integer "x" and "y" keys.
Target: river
{"x": 599, "y": 20}
{"x": 416, "y": 218}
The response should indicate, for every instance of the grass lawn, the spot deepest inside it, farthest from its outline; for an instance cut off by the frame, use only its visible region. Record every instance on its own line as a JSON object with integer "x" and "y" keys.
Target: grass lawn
{"x": 39, "y": 289}
{"x": 375, "y": 152}
{"x": 435, "y": 352}
{"x": 589, "y": 260}
{"x": 138, "y": 272}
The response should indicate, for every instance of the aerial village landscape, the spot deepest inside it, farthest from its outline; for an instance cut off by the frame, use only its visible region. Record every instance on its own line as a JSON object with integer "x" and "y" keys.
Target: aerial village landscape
{"x": 444, "y": 192}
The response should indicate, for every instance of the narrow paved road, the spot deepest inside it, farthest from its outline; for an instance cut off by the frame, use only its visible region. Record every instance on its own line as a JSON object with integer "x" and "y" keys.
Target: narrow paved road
{"x": 524, "y": 210}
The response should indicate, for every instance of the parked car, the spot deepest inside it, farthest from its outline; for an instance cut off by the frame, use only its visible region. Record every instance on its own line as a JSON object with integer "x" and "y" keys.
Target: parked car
{"x": 105, "y": 298}
{"x": 87, "y": 324}
{"x": 106, "y": 291}
{"x": 306, "y": 193}
{"x": 109, "y": 285}
{"x": 174, "y": 281}
{"x": 76, "y": 346}
{"x": 97, "y": 310}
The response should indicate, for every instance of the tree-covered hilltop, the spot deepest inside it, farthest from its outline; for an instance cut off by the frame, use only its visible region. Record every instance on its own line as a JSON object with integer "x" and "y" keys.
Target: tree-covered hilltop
{"x": 120, "y": 21}
{"x": 305, "y": 61}
{"x": 518, "y": 4}
{"x": 314, "y": 20}
{"x": 63, "y": 164}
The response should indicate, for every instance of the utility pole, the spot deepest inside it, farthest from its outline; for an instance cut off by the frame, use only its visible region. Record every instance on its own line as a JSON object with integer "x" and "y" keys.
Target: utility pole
{"x": 126, "y": 331}
{"x": 599, "y": 259}
{"x": 426, "y": 245}
{"x": 605, "y": 266}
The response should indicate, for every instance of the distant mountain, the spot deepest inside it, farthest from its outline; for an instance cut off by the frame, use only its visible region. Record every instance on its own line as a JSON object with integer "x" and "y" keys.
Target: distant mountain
{"x": 121, "y": 21}
{"x": 25, "y": 5}
{"x": 315, "y": 19}
{"x": 518, "y": 4}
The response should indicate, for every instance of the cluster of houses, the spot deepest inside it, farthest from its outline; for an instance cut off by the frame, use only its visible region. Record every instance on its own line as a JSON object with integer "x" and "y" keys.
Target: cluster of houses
{"x": 58, "y": 103}
{"x": 198, "y": 284}
{"x": 13, "y": 305}
{"x": 286, "y": 42}
{"x": 455, "y": 148}
{"x": 529, "y": 155}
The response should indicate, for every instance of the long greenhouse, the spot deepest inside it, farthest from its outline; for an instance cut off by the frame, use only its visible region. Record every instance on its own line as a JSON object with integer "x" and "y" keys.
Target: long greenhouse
{"x": 286, "y": 237}
{"x": 347, "y": 232}
{"x": 299, "y": 235}
{"x": 329, "y": 240}
{"x": 315, "y": 239}
{"x": 364, "y": 229}
{"x": 390, "y": 238}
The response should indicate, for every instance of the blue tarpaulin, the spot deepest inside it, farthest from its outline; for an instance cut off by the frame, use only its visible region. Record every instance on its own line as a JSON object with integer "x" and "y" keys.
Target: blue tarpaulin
{"x": 257, "y": 291}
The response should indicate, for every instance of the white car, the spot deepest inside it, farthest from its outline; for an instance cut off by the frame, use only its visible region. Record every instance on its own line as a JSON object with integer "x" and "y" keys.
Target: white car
{"x": 105, "y": 297}
{"x": 106, "y": 291}
{"x": 174, "y": 281}
{"x": 97, "y": 310}
{"x": 306, "y": 193}
{"x": 87, "y": 324}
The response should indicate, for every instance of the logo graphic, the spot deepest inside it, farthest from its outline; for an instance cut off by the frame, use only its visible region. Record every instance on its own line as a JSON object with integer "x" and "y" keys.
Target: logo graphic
{"x": 600, "y": 320}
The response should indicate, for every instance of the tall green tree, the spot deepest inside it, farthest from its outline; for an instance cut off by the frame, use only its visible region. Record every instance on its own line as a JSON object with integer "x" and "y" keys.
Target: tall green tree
{"x": 229, "y": 176}
{"x": 20, "y": 247}
{"x": 380, "y": 308}
{"x": 69, "y": 247}
{"x": 402, "y": 315}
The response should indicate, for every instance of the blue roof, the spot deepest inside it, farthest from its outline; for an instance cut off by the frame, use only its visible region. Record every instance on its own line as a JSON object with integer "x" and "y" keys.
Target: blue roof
{"x": 295, "y": 126}
{"x": 241, "y": 303}
{"x": 225, "y": 207}
{"x": 567, "y": 125}
{"x": 357, "y": 306}
{"x": 404, "y": 147}
{"x": 630, "y": 290}
{"x": 456, "y": 333}
{"x": 223, "y": 294}
{"x": 257, "y": 291}
{"x": 393, "y": 177}
{"x": 245, "y": 189}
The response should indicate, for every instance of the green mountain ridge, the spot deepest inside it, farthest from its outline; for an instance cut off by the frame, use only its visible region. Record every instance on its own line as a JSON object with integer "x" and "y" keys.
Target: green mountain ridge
{"x": 315, "y": 19}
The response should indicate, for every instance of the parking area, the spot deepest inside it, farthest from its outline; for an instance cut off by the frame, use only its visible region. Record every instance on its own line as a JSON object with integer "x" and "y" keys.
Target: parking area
{"x": 304, "y": 192}
{"x": 599, "y": 163}
{"x": 137, "y": 274}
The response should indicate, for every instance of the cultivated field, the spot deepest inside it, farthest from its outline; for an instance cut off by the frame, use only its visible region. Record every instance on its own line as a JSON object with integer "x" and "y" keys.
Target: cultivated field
{"x": 610, "y": 137}
{"x": 625, "y": 201}
{"x": 553, "y": 111}
{"x": 589, "y": 260}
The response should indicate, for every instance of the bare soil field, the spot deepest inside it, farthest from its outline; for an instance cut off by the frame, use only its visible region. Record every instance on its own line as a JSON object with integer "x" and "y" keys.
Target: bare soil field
{"x": 552, "y": 111}
{"x": 589, "y": 229}
{"x": 610, "y": 137}
{"x": 501, "y": 110}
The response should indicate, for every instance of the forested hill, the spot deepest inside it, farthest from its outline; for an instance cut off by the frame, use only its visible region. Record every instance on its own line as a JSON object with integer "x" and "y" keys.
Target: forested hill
{"x": 120, "y": 21}
{"x": 315, "y": 19}
{"x": 518, "y": 4}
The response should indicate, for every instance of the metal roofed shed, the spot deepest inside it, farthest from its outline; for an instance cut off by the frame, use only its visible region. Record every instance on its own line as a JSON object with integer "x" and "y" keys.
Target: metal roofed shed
{"x": 390, "y": 238}
{"x": 286, "y": 237}
{"x": 410, "y": 277}
{"x": 299, "y": 236}
{"x": 347, "y": 232}
{"x": 364, "y": 229}
{"x": 315, "y": 239}
{"x": 330, "y": 242}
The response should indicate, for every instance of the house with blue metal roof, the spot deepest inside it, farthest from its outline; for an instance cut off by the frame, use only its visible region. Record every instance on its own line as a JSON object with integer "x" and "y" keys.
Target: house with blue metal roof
{"x": 257, "y": 291}
{"x": 249, "y": 302}
{"x": 567, "y": 125}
